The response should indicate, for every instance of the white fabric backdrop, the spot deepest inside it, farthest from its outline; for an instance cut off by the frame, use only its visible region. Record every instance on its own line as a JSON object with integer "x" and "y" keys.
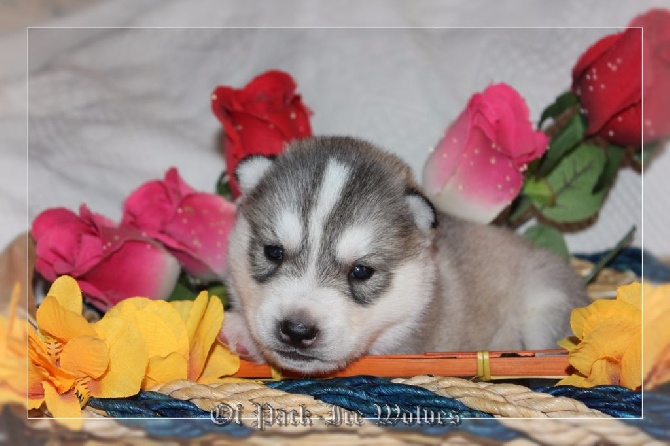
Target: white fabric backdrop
{"x": 111, "y": 108}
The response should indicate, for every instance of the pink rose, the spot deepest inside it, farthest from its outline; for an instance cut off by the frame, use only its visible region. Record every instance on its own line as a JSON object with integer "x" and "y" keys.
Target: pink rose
{"x": 193, "y": 226}
{"x": 110, "y": 263}
{"x": 656, "y": 81}
{"x": 475, "y": 170}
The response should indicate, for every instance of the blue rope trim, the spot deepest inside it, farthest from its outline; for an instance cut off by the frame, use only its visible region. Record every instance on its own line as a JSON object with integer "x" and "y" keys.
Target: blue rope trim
{"x": 632, "y": 258}
{"x": 369, "y": 395}
{"x": 153, "y": 406}
{"x": 656, "y": 421}
{"x": 615, "y": 401}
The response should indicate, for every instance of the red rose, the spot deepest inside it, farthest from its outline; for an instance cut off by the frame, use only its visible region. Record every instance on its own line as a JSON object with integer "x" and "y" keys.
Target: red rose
{"x": 656, "y": 82}
{"x": 260, "y": 118}
{"x": 608, "y": 80}
{"x": 109, "y": 262}
{"x": 475, "y": 170}
{"x": 193, "y": 226}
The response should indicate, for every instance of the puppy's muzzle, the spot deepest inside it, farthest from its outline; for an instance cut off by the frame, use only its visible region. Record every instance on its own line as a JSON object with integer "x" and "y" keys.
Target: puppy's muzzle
{"x": 297, "y": 332}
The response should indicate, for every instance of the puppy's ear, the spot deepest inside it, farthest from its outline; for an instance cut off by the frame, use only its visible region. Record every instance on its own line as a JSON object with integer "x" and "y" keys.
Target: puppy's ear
{"x": 250, "y": 170}
{"x": 422, "y": 209}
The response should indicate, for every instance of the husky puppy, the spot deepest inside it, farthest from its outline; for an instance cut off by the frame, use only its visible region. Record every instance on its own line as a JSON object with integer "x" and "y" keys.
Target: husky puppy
{"x": 336, "y": 253}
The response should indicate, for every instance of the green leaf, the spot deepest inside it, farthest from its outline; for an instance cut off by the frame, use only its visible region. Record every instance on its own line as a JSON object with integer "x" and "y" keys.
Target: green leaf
{"x": 182, "y": 290}
{"x": 604, "y": 260}
{"x": 548, "y": 238}
{"x": 539, "y": 191}
{"x": 573, "y": 181}
{"x": 562, "y": 144}
{"x": 615, "y": 156}
{"x": 560, "y": 106}
{"x": 188, "y": 288}
{"x": 223, "y": 186}
{"x": 521, "y": 210}
{"x": 221, "y": 291}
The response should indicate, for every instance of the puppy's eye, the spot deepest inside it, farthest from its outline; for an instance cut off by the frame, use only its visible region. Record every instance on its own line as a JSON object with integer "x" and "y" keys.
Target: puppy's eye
{"x": 361, "y": 272}
{"x": 274, "y": 252}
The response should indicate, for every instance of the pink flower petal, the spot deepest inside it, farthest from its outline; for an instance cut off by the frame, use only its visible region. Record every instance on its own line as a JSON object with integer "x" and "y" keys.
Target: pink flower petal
{"x": 138, "y": 268}
{"x": 202, "y": 229}
{"x": 111, "y": 263}
{"x": 148, "y": 207}
{"x": 474, "y": 172}
{"x": 447, "y": 156}
{"x": 193, "y": 226}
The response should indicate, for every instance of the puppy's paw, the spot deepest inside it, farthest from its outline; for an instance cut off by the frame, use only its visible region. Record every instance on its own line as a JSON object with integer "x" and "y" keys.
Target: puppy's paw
{"x": 235, "y": 335}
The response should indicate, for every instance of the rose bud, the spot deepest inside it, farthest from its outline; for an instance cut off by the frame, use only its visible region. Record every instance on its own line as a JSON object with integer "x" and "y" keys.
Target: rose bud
{"x": 475, "y": 170}
{"x": 192, "y": 225}
{"x": 110, "y": 263}
{"x": 259, "y": 119}
{"x": 608, "y": 80}
{"x": 656, "y": 76}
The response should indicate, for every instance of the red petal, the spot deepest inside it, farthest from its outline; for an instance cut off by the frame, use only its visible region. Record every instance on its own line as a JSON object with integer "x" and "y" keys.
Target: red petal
{"x": 617, "y": 84}
{"x": 260, "y": 118}
{"x": 593, "y": 53}
{"x": 656, "y": 60}
{"x": 624, "y": 129}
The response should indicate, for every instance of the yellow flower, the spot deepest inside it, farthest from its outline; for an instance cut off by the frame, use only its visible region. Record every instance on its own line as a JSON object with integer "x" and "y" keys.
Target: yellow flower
{"x": 656, "y": 335}
{"x": 13, "y": 338}
{"x": 71, "y": 359}
{"x": 181, "y": 338}
{"x": 607, "y": 345}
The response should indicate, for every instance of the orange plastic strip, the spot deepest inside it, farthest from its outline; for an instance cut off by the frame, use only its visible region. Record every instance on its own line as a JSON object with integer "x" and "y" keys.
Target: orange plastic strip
{"x": 514, "y": 364}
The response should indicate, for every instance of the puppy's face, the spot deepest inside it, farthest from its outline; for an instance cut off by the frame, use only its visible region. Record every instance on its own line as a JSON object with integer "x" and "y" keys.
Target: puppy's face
{"x": 329, "y": 256}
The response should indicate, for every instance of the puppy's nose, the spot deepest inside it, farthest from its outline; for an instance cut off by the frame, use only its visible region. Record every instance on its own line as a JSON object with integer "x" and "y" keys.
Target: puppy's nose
{"x": 298, "y": 333}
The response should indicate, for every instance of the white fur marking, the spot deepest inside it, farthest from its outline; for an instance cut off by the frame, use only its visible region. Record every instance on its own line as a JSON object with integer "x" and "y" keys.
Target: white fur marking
{"x": 423, "y": 214}
{"x": 289, "y": 229}
{"x": 334, "y": 179}
{"x": 250, "y": 171}
{"x": 354, "y": 243}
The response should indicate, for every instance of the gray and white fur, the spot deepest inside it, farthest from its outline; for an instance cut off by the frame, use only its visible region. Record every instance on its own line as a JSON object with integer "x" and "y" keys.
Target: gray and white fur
{"x": 336, "y": 253}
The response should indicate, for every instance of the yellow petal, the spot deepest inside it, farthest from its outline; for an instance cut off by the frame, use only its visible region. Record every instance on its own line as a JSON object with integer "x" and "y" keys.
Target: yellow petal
{"x": 60, "y": 322}
{"x": 623, "y": 316}
{"x": 569, "y": 343}
{"x": 205, "y": 319}
{"x": 656, "y": 335}
{"x": 577, "y": 318}
{"x": 164, "y": 369}
{"x": 63, "y": 406}
{"x": 61, "y": 379}
{"x": 630, "y": 294}
{"x": 574, "y": 380}
{"x": 68, "y": 293}
{"x": 608, "y": 340}
{"x": 85, "y": 356}
{"x": 221, "y": 362}
{"x": 35, "y": 391}
{"x": 583, "y": 356}
{"x": 659, "y": 371}
{"x": 159, "y": 324}
{"x": 183, "y": 307}
{"x": 605, "y": 371}
{"x": 127, "y": 359}
{"x": 631, "y": 364}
